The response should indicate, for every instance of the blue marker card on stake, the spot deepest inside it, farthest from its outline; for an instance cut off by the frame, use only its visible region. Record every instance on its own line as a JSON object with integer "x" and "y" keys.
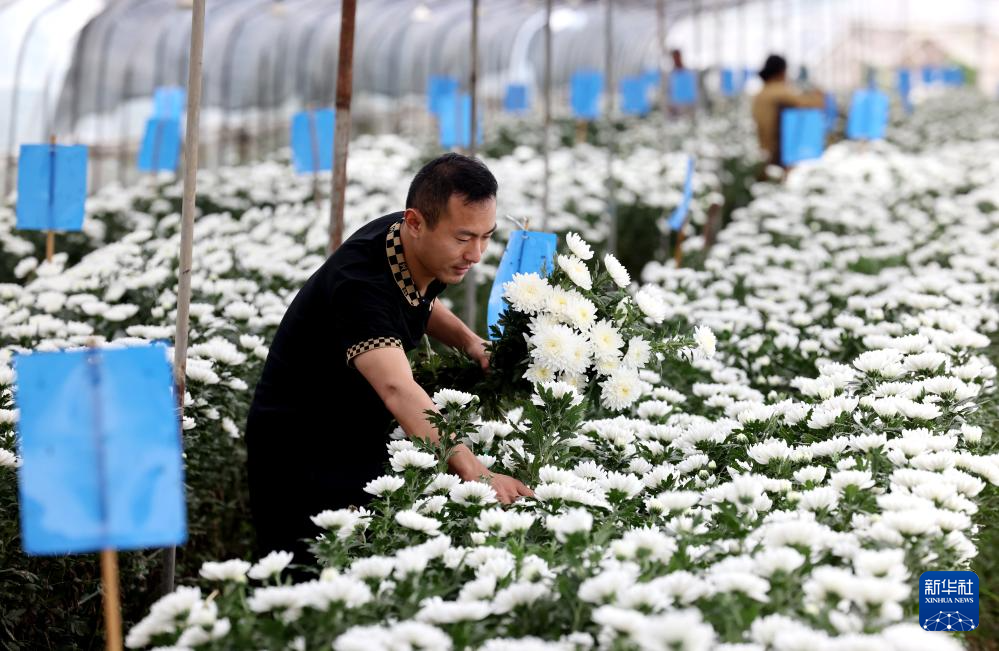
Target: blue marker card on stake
{"x": 831, "y": 111}
{"x": 168, "y": 102}
{"x": 312, "y": 139}
{"x": 729, "y": 85}
{"x": 953, "y": 76}
{"x": 683, "y": 87}
{"x": 679, "y": 216}
{"x": 515, "y": 100}
{"x": 931, "y": 75}
{"x": 439, "y": 88}
{"x": 455, "y": 122}
{"x": 51, "y": 187}
{"x": 635, "y": 96}
{"x": 584, "y": 94}
{"x": 160, "y": 150}
{"x": 868, "y": 119}
{"x": 101, "y": 452}
{"x": 651, "y": 77}
{"x": 802, "y": 135}
{"x": 526, "y": 252}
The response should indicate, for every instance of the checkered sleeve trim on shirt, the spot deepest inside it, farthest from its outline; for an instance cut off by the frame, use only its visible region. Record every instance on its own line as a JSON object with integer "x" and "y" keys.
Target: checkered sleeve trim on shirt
{"x": 372, "y": 344}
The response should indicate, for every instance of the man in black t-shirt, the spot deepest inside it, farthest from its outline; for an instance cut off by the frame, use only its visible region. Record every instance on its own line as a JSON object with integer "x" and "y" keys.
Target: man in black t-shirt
{"x": 337, "y": 375}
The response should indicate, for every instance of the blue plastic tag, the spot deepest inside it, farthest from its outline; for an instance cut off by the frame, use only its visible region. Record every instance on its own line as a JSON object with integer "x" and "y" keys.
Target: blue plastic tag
{"x": 730, "y": 86}
{"x": 584, "y": 94}
{"x": 831, "y": 111}
{"x": 168, "y": 102}
{"x": 312, "y": 140}
{"x": 101, "y": 452}
{"x": 802, "y": 135}
{"x": 51, "y": 187}
{"x": 679, "y": 216}
{"x": 683, "y": 87}
{"x": 953, "y": 76}
{"x": 160, "y": 150}
{"x": 948, "y": 601}
{"x": 931, "y": 75}
{"x": 515, "y": 100}
{"x": 868, "y": 119}
{"x": 455, "y": 122}
{"x": 635, "y": 96}
{"x": 526, "y": 252}
{"x": 439, "y": 88}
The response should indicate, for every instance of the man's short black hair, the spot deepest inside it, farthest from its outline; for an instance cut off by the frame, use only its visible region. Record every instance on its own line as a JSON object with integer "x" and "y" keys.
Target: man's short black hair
{"x": 775, "y": 66}
{"x": 445, "y": 175}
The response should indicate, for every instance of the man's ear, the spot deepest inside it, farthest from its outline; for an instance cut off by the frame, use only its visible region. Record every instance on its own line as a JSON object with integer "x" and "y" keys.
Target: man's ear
{"x": 414, "y": 221}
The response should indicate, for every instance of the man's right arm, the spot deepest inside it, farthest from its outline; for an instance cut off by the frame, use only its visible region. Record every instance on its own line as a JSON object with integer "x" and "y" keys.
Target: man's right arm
{"x": 389, "y": 373}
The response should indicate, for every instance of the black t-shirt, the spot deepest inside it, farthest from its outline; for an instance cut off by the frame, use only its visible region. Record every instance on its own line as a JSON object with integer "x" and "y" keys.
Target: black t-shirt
{"x": 315, "y": 421}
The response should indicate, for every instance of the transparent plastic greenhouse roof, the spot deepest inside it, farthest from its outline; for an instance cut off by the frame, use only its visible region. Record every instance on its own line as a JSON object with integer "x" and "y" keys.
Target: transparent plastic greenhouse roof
{"x": 64, "y": 60}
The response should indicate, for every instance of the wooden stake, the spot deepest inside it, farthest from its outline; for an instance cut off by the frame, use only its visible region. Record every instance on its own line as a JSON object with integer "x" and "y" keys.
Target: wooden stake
{"x": 187, "y": 234}
{"x": 112, "y": 600}
{"x": 678, "y": 250}
{"x": 581, "y": 129}
{"x": 546, "y": 135}
{"x": 341, "y": 140}
{"x": 471, "y": 307}
{"x": 50, "y": 235}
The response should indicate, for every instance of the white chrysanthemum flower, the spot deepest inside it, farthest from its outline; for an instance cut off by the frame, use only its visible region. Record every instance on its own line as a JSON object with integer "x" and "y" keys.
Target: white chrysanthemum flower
{"x": 415, "y": 521}
{"x": 412, "y": 459}
{"x": 8, "y": 459}
{"x": 342, "y": 521}
{"x": 473, "y": 492}
{"x": 527, "y": 293}
{"x": 270, "y": 565}
{"x": 706, "y": 341}
{"x": 617, "y": 271}
{"x": 233, "y": 570}
{"x": 650, "y": 302}
{"x": 442, "y": 483}
{"x": 639, "y": 353}
{"x": 606, "y": 341}
{"x": 578, "y": 246}
{"x": 621, "y": 389}
{"x": 384, "y": 485}
{"x": 576, "y": 270}
{"x": 445, "y": 398}
{"x": 572, "y": 522}
{"x": 435, "y": 610}
{"x": 559, "y": 390}
{"x": 560, "y": 347}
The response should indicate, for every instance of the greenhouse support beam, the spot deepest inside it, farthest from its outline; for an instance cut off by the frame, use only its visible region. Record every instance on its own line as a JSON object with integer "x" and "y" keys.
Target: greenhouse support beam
{"x": 187, "y": 234}
{"x": 609, "y": 64}
{"x": 471, "y": 278}
{"x": 546, "y": 133}
{"x": 341, "y": 139}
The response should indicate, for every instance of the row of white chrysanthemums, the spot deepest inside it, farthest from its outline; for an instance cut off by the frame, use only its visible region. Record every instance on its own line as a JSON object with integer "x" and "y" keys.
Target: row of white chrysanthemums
{"x": 379, "y": 169}
{"x": 758, "y": 510}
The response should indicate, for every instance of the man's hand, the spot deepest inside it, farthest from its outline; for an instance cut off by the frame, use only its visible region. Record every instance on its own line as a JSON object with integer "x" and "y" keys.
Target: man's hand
{"x": 476, "y": 349}
{"x": 508, "y": 489}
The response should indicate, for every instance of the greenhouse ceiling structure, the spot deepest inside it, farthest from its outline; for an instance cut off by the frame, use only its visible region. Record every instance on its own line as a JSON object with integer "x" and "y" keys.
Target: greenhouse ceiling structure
{"x": 85, "y": 70}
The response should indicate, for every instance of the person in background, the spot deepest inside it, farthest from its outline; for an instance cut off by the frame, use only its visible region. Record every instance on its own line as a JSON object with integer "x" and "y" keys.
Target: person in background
{"x": 775, "y": 96}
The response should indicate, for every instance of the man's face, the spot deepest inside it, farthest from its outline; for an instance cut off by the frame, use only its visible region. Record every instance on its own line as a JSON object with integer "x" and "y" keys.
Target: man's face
{"x": 450, "y": 249}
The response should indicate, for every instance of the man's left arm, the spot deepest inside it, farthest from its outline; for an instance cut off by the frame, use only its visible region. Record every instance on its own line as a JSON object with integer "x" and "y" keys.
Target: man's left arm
{"x": 447, "y": 328}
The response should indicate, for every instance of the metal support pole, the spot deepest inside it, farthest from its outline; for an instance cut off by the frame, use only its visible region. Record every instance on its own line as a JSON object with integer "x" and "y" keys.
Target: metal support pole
{"x": 609, "y": 65}
{"x": 546, "y": 135}
{"x": 341, "y": 140}
{"x": 471, "y": 278}
{"x": 187, "y": 234}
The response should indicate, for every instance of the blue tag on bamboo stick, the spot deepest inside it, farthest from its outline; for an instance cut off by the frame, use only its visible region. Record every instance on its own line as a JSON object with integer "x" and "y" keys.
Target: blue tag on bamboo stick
{"x": 160, "y": 149}
{"x": 679, "y": 215}
{"x": 526, "y": 252}
{"x": 51, "y": 187}
{"x": 101, "y": 451}
{"x": 312, "y": 140}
